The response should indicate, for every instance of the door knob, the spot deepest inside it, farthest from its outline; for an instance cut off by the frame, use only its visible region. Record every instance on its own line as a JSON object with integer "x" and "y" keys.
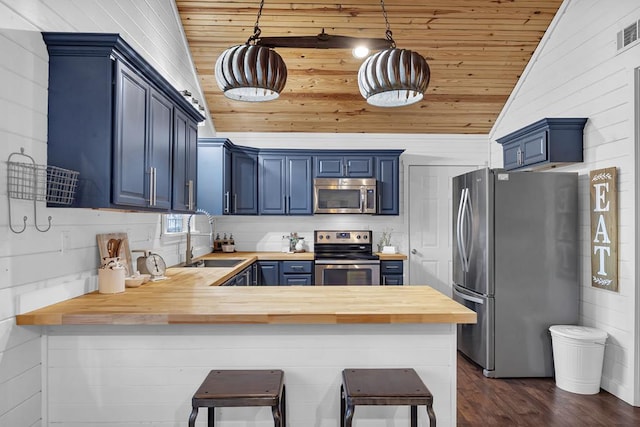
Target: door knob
{"x": 413, "y": 251}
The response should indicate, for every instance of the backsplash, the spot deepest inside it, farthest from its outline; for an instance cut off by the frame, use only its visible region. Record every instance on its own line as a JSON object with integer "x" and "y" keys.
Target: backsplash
{"x": 264, "y": 233}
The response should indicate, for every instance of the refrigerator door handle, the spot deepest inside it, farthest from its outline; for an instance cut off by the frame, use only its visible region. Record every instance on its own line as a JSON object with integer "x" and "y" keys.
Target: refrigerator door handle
{"x": 459, "y": 228}
{"x": 468, "y": 247}
{"x": 468, "y": 297}
{"x": 463, "y": 229}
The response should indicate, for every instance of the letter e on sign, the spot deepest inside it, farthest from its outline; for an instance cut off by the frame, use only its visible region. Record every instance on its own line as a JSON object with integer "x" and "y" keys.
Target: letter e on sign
{"x": 604, "y": 228}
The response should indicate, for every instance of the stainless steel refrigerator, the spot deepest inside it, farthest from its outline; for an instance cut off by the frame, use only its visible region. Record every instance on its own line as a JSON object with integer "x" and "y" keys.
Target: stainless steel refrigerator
{"x": 515, "y": 263}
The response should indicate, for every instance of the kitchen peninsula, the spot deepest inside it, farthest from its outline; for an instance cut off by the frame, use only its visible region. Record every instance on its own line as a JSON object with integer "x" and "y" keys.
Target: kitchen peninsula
{"x": 137, "y": 357}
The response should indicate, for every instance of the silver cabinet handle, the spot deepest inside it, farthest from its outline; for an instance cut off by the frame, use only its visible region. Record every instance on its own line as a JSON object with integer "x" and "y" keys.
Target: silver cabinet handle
{"x": 190, "y": 203}
{"x": 413, "y": 251}
{"x": 391, "y": 267}
{"x": 150, "y": 186}
{"x": 226, "y": 202}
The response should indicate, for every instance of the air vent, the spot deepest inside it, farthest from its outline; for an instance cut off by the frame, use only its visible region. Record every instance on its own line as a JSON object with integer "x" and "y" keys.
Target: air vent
{"x": 628, "y": 35}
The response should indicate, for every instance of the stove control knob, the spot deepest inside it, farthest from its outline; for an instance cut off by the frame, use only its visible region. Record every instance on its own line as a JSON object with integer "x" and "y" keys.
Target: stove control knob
{"x": 328, "y": 237}
{"x": 365, "y": 237}
{"x": 358, "y": 236}
{"x": 320, "y": 237}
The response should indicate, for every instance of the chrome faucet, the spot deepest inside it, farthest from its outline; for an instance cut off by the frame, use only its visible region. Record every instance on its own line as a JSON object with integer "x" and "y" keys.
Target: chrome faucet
{"x": 189, "y": 256}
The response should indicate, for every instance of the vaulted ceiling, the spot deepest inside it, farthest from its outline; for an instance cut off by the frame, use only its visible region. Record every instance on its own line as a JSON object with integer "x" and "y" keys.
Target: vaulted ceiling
{"x": 476, "y": 50}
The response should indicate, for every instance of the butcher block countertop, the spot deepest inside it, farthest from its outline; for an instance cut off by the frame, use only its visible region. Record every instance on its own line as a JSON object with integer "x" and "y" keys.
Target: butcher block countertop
{"x": 191, "y": 296}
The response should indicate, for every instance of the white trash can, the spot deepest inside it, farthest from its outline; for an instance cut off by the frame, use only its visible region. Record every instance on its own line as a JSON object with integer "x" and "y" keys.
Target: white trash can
{"x": 578, "y": 353}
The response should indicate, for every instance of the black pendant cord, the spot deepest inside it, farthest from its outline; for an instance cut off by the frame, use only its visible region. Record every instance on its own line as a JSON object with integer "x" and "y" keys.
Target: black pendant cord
{"x": 256, "y": 27}
{"x": 388, "y": 32}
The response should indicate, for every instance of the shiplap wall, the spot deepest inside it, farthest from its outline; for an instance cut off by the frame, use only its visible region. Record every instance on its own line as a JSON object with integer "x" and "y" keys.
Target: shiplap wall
{"x": 42, "y": 268}
{"x": 577, "y": 72}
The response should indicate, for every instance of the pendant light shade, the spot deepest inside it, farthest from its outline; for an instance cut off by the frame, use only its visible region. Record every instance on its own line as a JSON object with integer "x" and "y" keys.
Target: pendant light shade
{"x": 393, "y": 78}
{"x": 251, "y": 73}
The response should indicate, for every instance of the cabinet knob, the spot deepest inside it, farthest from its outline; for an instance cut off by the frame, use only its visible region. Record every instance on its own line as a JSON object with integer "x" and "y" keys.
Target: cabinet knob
{"x": 413, "y": 251}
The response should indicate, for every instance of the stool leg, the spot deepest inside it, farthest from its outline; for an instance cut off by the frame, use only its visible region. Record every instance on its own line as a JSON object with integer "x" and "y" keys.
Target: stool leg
{"x": 414, "y": 416}
{"x": 278, "y": 410}
{"x": 210, "y": 417}
{"x": 432, "y": 415}
{"x": 192, "y": 416}
{"x": 342, "y": 409}
{"x": 284, "y": 406}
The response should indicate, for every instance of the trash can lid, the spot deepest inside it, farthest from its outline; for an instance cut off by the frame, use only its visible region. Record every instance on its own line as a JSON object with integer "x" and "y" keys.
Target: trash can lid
{"x": 578, "y": 332}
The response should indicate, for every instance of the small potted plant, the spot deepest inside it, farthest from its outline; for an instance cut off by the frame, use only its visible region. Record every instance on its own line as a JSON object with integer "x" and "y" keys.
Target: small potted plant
{"x": 384, "y": 244}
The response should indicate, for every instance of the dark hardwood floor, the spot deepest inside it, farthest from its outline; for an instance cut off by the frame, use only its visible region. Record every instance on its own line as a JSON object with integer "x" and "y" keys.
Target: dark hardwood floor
{"x": 533, "y": 402}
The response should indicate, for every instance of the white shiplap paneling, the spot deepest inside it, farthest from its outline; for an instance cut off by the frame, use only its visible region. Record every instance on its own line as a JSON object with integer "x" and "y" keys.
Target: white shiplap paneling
{"x": 577, "y": 73}
{"x": 41, "y": 268}
{"x": 127, "y": 376}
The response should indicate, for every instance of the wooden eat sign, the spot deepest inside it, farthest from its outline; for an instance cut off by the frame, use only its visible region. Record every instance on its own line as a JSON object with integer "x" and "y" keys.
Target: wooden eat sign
{"x": 604, "y": 228}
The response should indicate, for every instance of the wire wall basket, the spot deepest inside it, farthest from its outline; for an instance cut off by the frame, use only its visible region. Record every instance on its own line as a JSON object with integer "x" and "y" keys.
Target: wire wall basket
{"x": 40, "y": 183}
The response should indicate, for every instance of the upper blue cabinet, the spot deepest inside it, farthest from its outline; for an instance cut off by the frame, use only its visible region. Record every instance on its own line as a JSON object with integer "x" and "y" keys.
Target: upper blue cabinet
{"x": 285, "y": 183}
{"x": 117, "y": 121}
{"x": 227, "y": 178}
{"x": 339, "y": 166}
{"x": 546, "y": 143}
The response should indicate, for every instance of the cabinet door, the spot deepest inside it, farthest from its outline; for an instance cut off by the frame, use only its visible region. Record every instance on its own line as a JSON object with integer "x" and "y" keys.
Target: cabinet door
{"x": 272, "y": 194}
{"x": 244, "y": 183}
{"x": 392, "y": 280}
{"x": 131, "y": 176}
{"x": 299, "y": 185}
{"x": 296, "y": 280}
{"x": 268, "y": 273}
{"x": 387, "y": 175}
{"x": 511, "y": 155}
{"x": 184, "y": 164}
{"x": 160, "y": 148}
{"x": 534, "y": 148}
{"x": 329, "y": 166}
{"x": 359, "y": 166}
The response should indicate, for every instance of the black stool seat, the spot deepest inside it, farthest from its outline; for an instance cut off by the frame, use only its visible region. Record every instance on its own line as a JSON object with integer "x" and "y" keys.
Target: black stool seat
{"x": 233, "y": 388}
{"x": 384, "y": 387}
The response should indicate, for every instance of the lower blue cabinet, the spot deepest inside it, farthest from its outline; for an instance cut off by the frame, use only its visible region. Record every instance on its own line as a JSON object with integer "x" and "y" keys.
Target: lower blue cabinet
{"x": 296, "y": 272}
{"x": 391, "y": 273}
{"x": 268, "y": 273}
{"x": 274, "y": 273}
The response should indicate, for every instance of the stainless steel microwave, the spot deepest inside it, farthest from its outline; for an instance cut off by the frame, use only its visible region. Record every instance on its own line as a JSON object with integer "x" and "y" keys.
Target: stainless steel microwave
{"x": 344, "y": 195}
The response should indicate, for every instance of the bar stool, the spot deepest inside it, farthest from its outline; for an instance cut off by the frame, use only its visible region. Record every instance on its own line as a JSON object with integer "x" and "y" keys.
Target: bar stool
{"x": 234, "y": 388}
{"x": 384, "y": 387}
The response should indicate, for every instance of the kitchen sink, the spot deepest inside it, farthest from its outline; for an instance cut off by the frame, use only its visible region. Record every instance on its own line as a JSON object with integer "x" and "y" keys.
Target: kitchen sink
{"x": 226, "y": 263}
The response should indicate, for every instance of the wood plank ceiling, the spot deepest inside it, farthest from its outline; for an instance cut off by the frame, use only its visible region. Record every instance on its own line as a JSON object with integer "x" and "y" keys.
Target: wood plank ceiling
{"x": 476, "y": 50}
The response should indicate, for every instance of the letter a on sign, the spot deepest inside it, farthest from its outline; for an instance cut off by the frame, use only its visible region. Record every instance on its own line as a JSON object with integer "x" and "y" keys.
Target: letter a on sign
{"x": 604, "y": 228}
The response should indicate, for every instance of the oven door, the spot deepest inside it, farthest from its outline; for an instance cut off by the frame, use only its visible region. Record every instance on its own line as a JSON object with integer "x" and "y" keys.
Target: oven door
{"x": 347, "y": 272}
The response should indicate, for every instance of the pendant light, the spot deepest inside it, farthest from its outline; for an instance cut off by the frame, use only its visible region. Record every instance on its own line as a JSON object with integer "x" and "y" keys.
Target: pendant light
{"x": 393, "y": 77}
{"x": 249, "y": 72}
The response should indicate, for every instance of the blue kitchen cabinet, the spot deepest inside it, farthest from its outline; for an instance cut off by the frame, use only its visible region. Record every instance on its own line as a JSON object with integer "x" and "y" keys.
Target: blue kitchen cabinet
{"x": 387, "y": 175}
{"x": 213, "y": 187}
{"x": 546, "y": 143}
{"x": 227, "y": 178}
{"x": 185, "y": 167}
{"x": 268, "y": 273}
{"x": 391, "y": 273}
{"x": 244, "y": 181}
{"x": 285, "y": 184}
{"x": 339, "y": 166}
{"x": 111, "y": 118}
{"x": 287, "y": 273}
{"x": 299, "y": 273}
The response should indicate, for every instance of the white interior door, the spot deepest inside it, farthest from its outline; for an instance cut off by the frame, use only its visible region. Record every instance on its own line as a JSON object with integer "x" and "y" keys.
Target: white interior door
{"x": 430, "y": 222}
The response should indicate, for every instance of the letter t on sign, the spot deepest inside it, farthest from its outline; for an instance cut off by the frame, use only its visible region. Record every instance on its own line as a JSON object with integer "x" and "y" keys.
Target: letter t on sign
{"x": 604, "y": 228}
